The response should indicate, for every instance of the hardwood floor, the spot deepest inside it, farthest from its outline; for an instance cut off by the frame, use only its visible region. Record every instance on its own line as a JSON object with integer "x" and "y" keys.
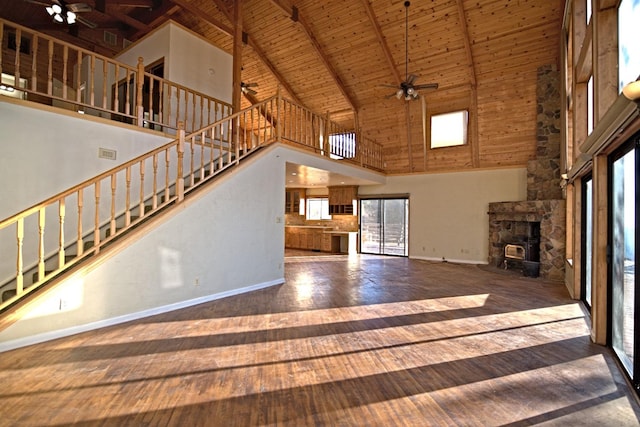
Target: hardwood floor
{"x": 346, "y": 341}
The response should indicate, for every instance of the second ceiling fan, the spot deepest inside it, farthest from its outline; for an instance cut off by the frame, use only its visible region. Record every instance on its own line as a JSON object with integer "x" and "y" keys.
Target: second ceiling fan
{"x": 407, "y": 89}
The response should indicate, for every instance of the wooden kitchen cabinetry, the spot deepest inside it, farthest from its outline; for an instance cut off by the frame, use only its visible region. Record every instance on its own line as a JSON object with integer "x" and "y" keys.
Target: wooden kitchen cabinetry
{"x": 341, "y": 199}
{"x": 307, "y": 238}
{"x": 292, "y": 199}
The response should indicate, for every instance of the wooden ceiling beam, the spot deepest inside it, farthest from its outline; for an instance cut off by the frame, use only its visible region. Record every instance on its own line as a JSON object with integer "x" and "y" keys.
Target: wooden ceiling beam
{"x": 210, "y": 19}
{"x": 295, "y": 15}
{"x": 132, "y": 22}
{"x": 256, "y": 49}
{"x": 157, "y": 17}
{"x": 474, "y": 144}
{"x": 382, "y": 41}
{"x": 467, "y": 44}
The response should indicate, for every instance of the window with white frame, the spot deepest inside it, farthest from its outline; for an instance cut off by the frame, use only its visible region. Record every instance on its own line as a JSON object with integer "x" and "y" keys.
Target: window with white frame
{"x": 449, "y": 129}
{"x": 318, "y": 208}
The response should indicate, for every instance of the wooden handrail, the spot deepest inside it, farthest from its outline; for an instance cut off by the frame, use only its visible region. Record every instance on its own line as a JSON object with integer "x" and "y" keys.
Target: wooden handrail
{"x": 113, "y": 88}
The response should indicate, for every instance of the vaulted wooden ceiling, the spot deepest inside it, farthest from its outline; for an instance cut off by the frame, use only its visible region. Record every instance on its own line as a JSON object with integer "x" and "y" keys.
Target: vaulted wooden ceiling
{"x": 336, "y": 56}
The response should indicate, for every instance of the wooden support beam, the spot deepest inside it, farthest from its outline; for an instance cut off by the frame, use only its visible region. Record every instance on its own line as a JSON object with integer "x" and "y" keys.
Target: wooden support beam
{"x": 381, "y": 41}
{"x": 473, "y": 108}
{"x": 318, "y": 49}
{"x": 237, "y": 56}
{"x": 134, "y": 23}
{"x": 259, "y": 52}
{"x": 210, "y": 19}
{"x": 158, "y": 16}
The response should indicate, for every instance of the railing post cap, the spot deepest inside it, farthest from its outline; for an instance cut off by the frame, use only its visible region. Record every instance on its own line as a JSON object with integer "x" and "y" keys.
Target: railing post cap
{"x": 181, "y": 125}
{"x": 140, "y": 59}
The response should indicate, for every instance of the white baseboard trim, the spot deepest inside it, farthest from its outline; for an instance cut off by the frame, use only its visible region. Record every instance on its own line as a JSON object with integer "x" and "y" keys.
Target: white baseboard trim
{"x": 48, "y": 336}
{"x": 451, "y": 260}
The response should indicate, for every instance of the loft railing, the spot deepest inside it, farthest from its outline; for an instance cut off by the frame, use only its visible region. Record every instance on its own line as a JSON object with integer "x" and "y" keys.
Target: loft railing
{"x": 40, "y": 68}
{"x": 50, "y": 237}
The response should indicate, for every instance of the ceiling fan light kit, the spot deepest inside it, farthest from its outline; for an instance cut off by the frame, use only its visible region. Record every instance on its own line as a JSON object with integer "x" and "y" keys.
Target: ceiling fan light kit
{"x": 407, "y": 89}
{"x": 61, "y": 14}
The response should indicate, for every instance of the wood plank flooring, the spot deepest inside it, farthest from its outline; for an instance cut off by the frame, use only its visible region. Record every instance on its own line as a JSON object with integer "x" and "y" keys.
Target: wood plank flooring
{"x": 346, "y": 341}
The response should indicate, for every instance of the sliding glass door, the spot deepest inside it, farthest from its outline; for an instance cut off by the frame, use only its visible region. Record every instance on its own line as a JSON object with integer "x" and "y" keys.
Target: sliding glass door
{"x": 624, "y": 304}
{"x": 587, "y": 239}
{"x": 384, "y": 226}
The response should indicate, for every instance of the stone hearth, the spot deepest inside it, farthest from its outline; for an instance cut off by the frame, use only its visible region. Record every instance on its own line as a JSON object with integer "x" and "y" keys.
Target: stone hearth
{"x": 506, "y": 218}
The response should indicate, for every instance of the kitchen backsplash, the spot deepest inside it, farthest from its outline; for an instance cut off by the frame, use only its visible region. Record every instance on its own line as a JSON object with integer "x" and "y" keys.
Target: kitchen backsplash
{"x": 338, "y": 222}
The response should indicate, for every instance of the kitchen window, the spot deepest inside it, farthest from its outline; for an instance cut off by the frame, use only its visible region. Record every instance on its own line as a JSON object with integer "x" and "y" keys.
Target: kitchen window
{"x": 318, "y": 208}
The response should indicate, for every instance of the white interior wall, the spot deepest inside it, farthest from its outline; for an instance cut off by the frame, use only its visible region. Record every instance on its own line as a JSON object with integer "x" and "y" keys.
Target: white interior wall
{"x": 154, "y": 46}
{"x": 198, "y": 65}
{"x": 226, "y": 240}
{"x": 46, "y": 151}
{"x": 448, "y": 212}
{"x": 189, "y": 60}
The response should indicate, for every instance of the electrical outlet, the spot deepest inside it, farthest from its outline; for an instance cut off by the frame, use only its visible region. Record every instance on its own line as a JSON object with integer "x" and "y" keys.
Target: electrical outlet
{"x": 196, "y": 282}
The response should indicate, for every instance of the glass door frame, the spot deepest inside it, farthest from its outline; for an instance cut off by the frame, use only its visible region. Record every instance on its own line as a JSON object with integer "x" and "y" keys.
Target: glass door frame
{"x": 632, "y": 145}
{"x": 586, "y": 263}
{"x": 381, "y": 216}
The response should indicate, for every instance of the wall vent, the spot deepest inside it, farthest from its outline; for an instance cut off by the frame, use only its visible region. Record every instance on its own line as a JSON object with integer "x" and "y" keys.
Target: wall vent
{"x": 110, "y": 38}
{"x": 105, "y": 153}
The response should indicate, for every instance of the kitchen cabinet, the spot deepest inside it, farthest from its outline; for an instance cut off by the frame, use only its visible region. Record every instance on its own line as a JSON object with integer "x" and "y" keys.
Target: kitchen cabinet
{"x": 341, "y": 199}
{"x": 307, "y": 238}
{"x": 293, "y": 197}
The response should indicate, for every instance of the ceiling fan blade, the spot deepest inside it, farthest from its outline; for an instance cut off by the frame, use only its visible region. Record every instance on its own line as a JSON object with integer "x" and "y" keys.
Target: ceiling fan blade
{"x": 392, "y": 86}
{"x": 86, "y": 22}
{"x": 411, "y": 78}
{"x": 41, "y": 3}
{"x": 251, "y": 91}
{"x": 250, "y": 84}
{"x": 79, "y": 7}
{"x": 426, "y": 86}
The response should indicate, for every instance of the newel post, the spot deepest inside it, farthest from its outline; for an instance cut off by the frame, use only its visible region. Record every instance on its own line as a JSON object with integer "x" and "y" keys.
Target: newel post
{"x": 180, "y": 173}
{"x": 327, "y": 136}
{"x": 139, "y": 84}
{"x": 279, "y": 114}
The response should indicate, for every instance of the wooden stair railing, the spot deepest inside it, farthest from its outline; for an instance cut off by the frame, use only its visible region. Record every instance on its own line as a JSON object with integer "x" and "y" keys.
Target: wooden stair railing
{"x": 88, "y": 217}
{"x": 43, "y": 69}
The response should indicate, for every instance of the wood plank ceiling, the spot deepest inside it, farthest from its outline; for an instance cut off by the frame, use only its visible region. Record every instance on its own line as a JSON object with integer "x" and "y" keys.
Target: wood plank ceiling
{"x": 336, "y": 57}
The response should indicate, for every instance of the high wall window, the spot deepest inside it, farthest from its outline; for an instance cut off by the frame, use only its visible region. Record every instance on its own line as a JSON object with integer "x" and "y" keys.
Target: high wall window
{"x": 450, "y": 129}
{"x": 628, "y": 36}
{"x": 590, "y": 102}
{"x": 342, "y": 145}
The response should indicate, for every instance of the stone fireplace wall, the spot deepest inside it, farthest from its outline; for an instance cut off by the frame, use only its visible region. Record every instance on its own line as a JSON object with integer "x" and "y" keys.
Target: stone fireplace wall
{"x": 505, "y": 218}
{"x": 543, "y": 173}
{"x": 544, "y": 202}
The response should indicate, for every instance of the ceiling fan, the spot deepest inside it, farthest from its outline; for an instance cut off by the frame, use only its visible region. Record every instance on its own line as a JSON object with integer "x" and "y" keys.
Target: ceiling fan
{"x": 62, "y": 12}
{"x": 408, "y": 89}
{"x": 246, "y": 88}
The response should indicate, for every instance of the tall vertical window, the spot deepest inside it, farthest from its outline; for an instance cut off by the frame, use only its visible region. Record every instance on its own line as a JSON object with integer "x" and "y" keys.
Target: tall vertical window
{"x": 588, "y": 11}
{"x": 628, "y": 36}
{"x": 590, "y": 106}
{"x": 587, "y": 239}
{"x": 450, "y": 129}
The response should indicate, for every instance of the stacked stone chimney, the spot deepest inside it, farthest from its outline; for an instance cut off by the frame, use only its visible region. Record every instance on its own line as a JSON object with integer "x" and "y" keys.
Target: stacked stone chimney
{"x": 544, "y": 204}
